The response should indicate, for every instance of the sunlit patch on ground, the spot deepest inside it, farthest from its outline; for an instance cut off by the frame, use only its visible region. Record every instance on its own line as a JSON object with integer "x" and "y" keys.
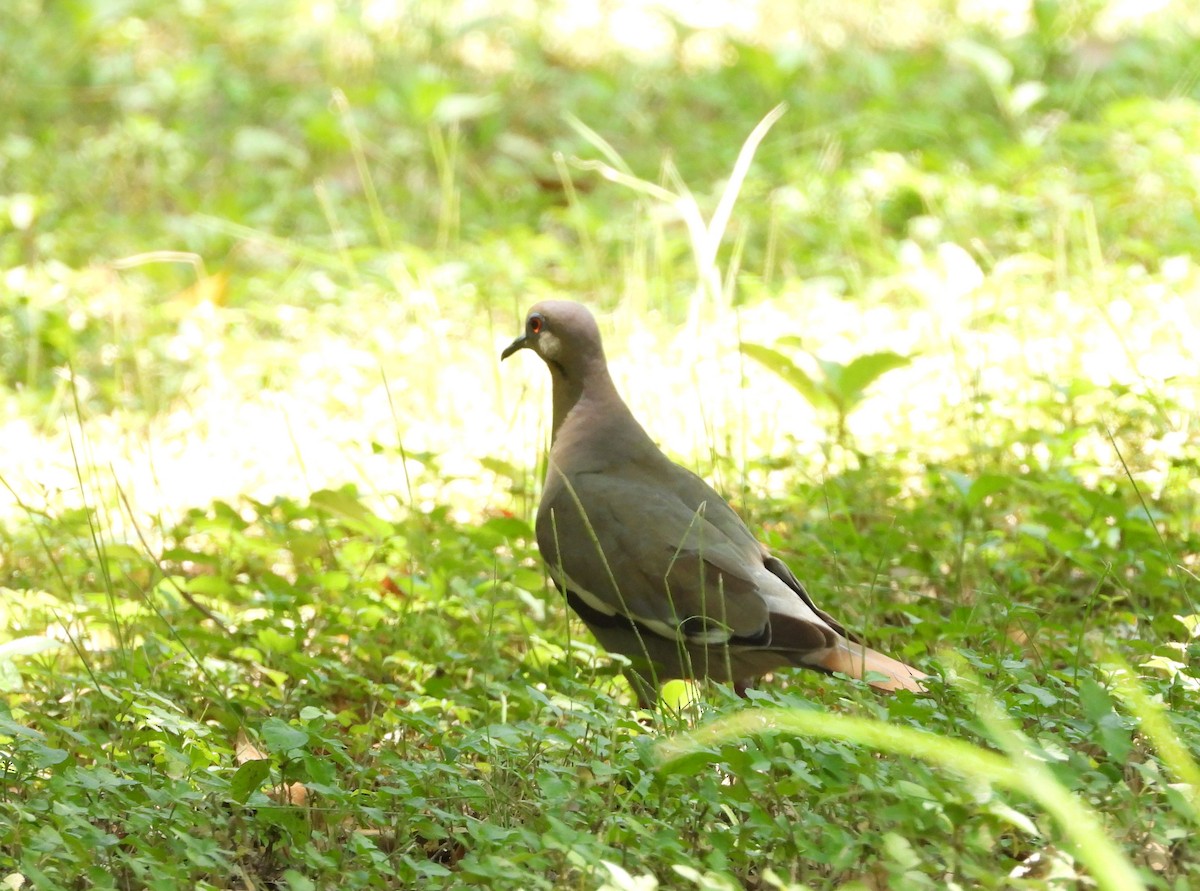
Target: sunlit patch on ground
{"x": 327, "y": 420}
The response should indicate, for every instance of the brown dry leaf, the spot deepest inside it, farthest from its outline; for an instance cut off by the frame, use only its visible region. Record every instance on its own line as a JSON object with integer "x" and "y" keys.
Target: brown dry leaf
{"x": 295, "y": 794}
{"x": 1158, "y": 856}
{"x": 244, "y": 750}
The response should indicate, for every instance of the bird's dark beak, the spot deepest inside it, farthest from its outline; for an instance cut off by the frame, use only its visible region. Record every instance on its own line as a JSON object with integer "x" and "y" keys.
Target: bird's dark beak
{"x": 519, "y": 344}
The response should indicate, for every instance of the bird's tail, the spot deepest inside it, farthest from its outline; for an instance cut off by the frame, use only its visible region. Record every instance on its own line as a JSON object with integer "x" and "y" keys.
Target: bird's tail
{"x": 856, "y": 660}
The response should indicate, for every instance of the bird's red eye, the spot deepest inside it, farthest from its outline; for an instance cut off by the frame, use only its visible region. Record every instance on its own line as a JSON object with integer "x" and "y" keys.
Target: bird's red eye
{"x": 535, "y": 324}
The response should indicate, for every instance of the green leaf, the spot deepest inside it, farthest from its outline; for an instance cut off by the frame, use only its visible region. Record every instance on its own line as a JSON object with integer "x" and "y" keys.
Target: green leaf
{"x": 832, "y": 385}
{"x": 118, "y": 551}
{"x": 10, "y": 678}
{"x": 1011, "y": 815}
{"x": 901, "y": 851}
{"x": 914, "y": 791}
{"x": 510, "y": 528}
{"x": 503, "y": 468}
{"x": 30, "y": 645}
{"x": 960, "y": 481}
{"x": 1096, "y": 703}
{"x": 863, "y": 371}
{"x": 799, "y": 381}
{"x": 985, "y": 485}
{"x": 1041, "y": 694}
{"x": 297, "y": 881}
{"x": 273, "y": 641}
{"x": 690, "y": 763}
{"x": 212, "y": 585}
{"x": 1191, "y": 623}
{"x": 989, "y": 63}
{"x": 282, "y": 737}
{"x": 1115, "y": 738}
{"x": 8, "y": 727}
{"x": 249, "y": 779}
{"x": 345, "y": 505}
{"x": 47, "y": 756}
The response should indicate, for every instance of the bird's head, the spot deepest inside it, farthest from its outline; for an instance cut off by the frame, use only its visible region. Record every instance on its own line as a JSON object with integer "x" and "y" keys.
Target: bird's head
{"x": 563, "y": 333}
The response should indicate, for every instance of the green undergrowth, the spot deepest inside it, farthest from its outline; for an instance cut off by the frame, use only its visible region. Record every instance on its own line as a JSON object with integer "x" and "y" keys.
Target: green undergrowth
{"x": 449, "y": 725}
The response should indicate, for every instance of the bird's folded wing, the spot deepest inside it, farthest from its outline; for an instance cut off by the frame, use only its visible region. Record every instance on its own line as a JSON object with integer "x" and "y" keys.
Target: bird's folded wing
{"x": 641, "y": 551}
{"x": 784, "y": 573}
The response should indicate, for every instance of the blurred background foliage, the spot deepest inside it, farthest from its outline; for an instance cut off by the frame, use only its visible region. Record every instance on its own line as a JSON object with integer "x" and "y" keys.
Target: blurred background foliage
{"x": 257, "y": 260}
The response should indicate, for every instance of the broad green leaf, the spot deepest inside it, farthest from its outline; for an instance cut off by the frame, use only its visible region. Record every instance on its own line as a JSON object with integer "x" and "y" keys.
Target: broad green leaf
{"x": 510, "y": 528}
{"x": 1191, "y": 623}
{"x": 1041, "y": 694}
{"x": 10, "y": 678}
{"x": 787, "y": 369}
{"x": 281, "y": 736}
{"x": 119, "y": 551}
{"x": 503, "y": 468}
{"x": 901, "y": 851}
{"x": 914, "y": 791}
{"x": 1011, "y": 815}
{"x": 863, "y": 371}
{"x": 273, "y": 641}
{"x": 213, "y": 585}
{"x": 985, "y": 485}
{"x": 989, "y": 63}
{"x": 349, "y": 509}
{"x": 622, "y": 880}
{"x": 690, "y": 763}
{"x": 1099, "y": 709}
{"x": 832, "y": 385}
{"x": 960, "y": 481}
{"x": 9, "y": 727}
{"x": 47, "y": 756}
{"x": 297, "y": 881}
{"x": 1095, "y": 700}
{"x": 248, "y": 779}
{"x": 29, "y": 645}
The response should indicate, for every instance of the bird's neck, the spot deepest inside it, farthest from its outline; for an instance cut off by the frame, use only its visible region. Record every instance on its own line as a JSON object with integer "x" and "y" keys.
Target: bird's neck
{"x": 584, "y": 389}
{"x": 593, "y": 428}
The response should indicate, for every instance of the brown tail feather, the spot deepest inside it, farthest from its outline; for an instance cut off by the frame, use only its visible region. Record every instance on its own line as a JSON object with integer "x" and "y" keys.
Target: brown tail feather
{"x": 856, "y": 660}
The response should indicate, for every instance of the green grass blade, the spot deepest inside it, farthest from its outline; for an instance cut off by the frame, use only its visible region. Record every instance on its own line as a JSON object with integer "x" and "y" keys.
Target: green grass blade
{"x": 720, "y": 218}
{"x": 1156, "y": 725}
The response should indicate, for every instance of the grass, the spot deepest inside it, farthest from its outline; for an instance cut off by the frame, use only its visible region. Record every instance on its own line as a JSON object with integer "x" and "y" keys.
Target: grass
{"x": 271, "y": 614}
